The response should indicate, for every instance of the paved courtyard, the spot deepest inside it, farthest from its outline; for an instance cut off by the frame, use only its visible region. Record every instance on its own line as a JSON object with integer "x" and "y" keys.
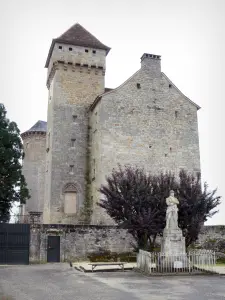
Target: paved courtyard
{"x": 60, "y": 282}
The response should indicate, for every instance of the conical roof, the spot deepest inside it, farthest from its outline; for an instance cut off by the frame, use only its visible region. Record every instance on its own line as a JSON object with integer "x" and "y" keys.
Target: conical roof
{"x": 40, "y": 126}
{"x": 77, "y": 35}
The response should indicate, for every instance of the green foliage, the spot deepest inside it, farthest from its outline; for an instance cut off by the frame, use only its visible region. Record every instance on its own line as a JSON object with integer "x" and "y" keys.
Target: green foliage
{"x": 220, "y": 260}
{"x": 13, "y": 184}
{"x": 136, "y": 201}
{"x": 196, "y": 205}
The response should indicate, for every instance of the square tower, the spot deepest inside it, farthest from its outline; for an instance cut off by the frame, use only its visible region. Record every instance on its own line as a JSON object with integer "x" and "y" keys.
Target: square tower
{"x": 75, "y": 77}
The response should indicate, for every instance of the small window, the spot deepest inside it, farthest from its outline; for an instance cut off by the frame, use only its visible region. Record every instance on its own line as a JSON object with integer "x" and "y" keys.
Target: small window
{"x": 71, "y": 168}
{"x": 73, "y": 142}
{"x": 74, "y": 118}
{"x": 170, "y": 85}
{"x": 70, "y": 49}
{"x": 176, "y": 113}
{"x": 86, "y": 50}
{"x": 138, "y": 85}
{"x": 94, "y": 51}
{"x": 60, "y": 47}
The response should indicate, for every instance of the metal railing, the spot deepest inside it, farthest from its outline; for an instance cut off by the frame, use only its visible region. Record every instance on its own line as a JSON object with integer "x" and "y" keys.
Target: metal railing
{"x": 193, "y": 261}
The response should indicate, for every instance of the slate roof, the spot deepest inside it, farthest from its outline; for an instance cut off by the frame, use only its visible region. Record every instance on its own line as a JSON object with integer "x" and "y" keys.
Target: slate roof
{"x": 40, "y": 126}
{"x": 78, "y": 36}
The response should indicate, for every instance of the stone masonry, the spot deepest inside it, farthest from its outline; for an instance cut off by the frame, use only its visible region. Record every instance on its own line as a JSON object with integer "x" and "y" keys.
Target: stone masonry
{"x": 76, "y": 242}
{"x": 79, "y": 241}
{"x": 34, "y": 141}
{"x": 145, "y": 122}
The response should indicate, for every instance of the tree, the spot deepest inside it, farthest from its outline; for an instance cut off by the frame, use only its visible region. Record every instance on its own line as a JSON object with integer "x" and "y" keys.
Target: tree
{"x": 197, "y": 204}
{"x": 136, "y": 201}
{"x": 13, "y": 187}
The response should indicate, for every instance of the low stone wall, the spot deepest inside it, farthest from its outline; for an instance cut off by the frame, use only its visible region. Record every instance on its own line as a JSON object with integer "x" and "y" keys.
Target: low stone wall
{"x": 76, "y": 242}
{"x": 215, "y": 232}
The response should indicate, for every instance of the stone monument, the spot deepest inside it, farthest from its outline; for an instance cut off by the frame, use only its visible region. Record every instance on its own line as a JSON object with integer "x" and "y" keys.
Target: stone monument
{"x": 173, "y": 243}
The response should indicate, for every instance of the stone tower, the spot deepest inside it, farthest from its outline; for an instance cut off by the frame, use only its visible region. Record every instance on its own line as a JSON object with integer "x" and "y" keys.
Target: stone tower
{"x": 34, "y": 141}
{"x": 75, "y": 77}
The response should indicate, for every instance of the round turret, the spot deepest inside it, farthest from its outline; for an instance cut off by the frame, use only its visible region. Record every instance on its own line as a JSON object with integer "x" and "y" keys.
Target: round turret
{"x": 34, "y": 141}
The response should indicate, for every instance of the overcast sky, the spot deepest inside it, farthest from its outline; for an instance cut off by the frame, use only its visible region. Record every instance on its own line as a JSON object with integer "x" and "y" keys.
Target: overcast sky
{"x": 189, "y": 35}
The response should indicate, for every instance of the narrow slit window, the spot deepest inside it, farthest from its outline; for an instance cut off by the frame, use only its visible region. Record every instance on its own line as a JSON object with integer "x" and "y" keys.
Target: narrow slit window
{"x": 176, "y": 113}
{"x": 138, "y": 85}
{"x": 73, "y": 142}
{"x": 71, "y": 168}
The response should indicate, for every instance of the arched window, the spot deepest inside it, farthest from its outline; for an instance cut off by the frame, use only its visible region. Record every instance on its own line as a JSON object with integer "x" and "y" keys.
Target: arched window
{"x": 70, "y": 198}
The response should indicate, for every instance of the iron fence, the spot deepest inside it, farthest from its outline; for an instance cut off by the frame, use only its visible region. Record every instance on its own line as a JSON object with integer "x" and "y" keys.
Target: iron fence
{"x": 193, "y": 261}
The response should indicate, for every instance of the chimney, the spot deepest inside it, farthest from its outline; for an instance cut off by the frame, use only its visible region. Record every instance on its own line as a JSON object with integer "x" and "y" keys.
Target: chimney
{"x": 151, "y": 62}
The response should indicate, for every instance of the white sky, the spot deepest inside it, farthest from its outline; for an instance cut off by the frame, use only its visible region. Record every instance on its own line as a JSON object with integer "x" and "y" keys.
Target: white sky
{"x": 188, "y": 34}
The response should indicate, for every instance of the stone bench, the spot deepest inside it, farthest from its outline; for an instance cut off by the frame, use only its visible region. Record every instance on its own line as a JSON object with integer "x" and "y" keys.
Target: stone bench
{"x": 120, "y": 264}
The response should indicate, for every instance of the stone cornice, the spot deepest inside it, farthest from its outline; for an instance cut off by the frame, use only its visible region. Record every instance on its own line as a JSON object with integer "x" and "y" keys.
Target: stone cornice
{"x": 30, "y": 133}
{"x": 74, "y": 67}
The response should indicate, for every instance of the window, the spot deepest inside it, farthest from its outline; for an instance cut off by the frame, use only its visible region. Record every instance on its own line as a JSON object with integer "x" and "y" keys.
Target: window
{"x": 70, "y": 198}
{"x": 70, "y": 49}
{"x": 138, "y": 85}
{"x": 73, "y": 142}
{"x": 71, "y": 168}
{"x": 74, "y": 118}
{"x": 176, "y": 113}
{"x": 60, "y": 47}
{"x": 94, "y": 51}
{"x": 86, "y": 50}
{"x": 70, "y": 203}
{"x": 170, "y": 85}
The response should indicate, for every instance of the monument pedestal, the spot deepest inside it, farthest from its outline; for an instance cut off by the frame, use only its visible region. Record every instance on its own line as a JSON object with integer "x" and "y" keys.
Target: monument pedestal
{"x": 173, "y": 249}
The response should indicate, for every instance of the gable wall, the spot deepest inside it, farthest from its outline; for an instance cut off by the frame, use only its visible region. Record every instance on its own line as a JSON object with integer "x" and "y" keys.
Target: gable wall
{"x": 153, "y": 127}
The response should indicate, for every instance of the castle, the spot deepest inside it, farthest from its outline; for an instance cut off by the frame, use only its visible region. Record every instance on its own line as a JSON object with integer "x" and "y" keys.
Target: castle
{"x": 146, "y": 121}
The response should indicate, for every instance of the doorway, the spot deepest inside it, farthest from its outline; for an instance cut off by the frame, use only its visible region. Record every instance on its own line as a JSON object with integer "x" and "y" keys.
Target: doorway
{"x": 53, "y": 250}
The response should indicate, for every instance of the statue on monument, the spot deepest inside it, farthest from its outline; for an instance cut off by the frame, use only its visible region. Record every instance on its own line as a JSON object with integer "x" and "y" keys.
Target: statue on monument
{"x": 172, "y": 211}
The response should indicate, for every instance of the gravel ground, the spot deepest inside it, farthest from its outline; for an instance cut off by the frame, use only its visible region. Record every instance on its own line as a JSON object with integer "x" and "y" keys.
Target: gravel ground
{"x": 60, "y": 282}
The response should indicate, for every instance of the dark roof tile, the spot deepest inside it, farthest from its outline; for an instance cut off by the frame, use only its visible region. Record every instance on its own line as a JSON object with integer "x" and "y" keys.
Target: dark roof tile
{"x": 40, "y": 126}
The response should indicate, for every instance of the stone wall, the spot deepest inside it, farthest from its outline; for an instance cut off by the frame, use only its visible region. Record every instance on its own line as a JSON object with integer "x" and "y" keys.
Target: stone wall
{"x": 213, "y": 233}
{"x": 34, "y": 169}
{"x": 145, "y": 122}
{"x": 77, "y": 242}
{"x": 75, "y": 79}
